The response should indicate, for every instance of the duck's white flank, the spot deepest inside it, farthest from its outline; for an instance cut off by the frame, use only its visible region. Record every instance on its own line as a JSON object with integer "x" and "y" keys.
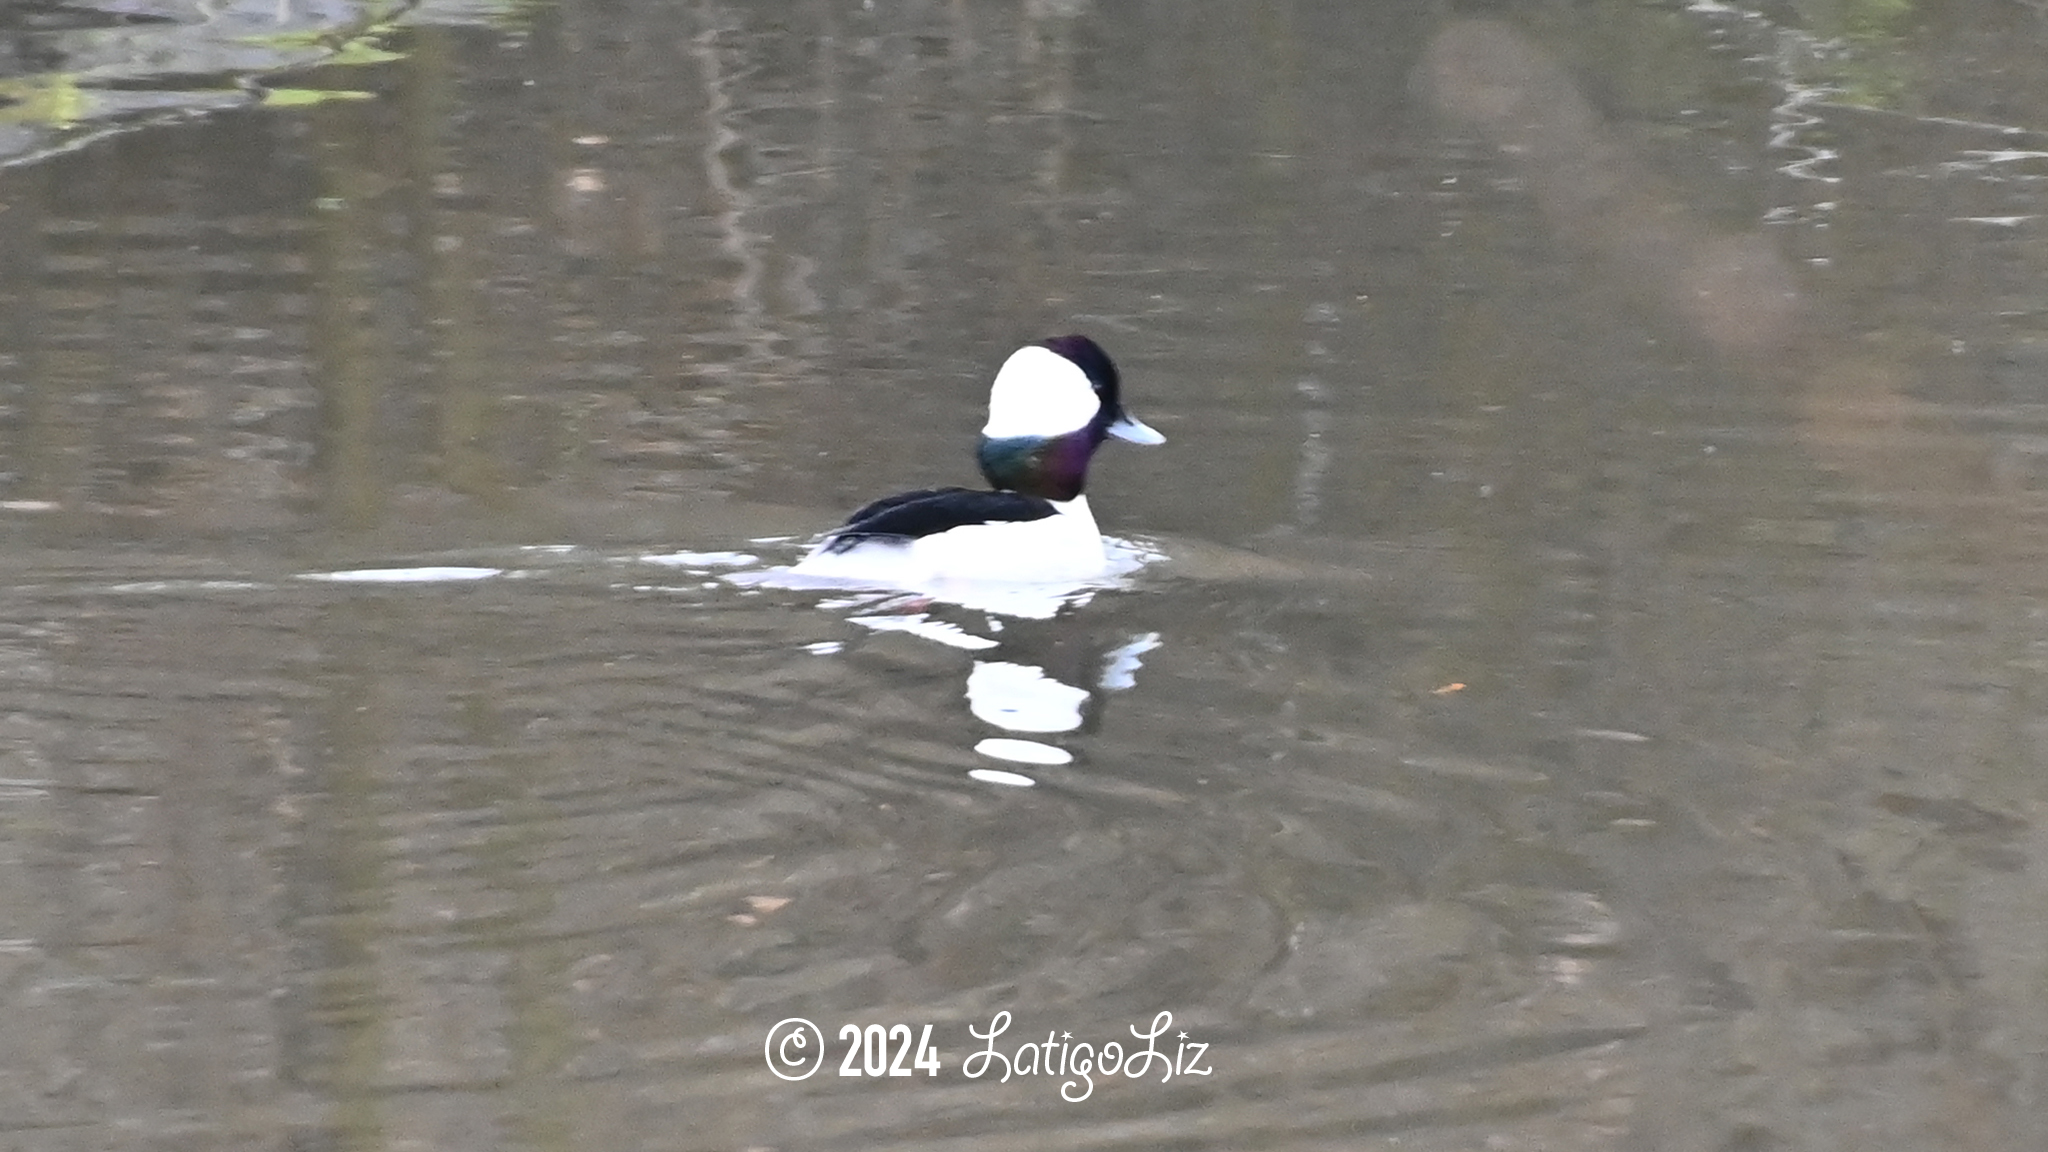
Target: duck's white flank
{"x": 1039, "y": 392}
{"x": 1065, "y": 546}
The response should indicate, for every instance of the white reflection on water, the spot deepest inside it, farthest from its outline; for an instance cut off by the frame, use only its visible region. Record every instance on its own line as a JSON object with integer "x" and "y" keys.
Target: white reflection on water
{"x": 1022, "y": 698}
{"x": 1022, "y": 600}
{"x": 1018, "y": 752}
{"x": 432, "y": 574}
{"x": 920, "y": 624}
{"x": 698, "y": 560}
{"x": 1015, "y": 695}
{"x": 1120, "y": 667}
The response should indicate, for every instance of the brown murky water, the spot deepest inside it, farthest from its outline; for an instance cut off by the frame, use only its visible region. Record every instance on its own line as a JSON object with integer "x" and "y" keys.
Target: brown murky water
{"x": 1591, "y": 698}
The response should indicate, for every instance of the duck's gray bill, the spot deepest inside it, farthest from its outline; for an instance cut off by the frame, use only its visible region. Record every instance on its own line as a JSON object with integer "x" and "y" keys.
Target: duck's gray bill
{"x": 1128, "y": 427}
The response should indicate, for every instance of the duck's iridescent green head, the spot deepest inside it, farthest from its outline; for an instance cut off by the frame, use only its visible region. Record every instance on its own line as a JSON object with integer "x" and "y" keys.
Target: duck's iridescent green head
{"x": 1052, "y": 404}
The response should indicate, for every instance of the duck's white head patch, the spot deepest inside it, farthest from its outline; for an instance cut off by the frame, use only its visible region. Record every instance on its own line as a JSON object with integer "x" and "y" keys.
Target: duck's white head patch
{"x": 1039, "y": 392}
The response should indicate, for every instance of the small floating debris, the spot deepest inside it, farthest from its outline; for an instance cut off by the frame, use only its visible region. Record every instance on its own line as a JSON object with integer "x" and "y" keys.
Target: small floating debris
{"x": 432, "y": 574}
{"x": 758, "y": 907}
{"x": 1446, "y": 690}
{"x": 1023, "y": 751}
{"x": 825, "y": 648}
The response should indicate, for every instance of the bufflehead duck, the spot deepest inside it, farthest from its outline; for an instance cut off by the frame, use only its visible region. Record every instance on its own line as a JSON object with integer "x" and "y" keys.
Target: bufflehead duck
{"x": 1052, "y": 404}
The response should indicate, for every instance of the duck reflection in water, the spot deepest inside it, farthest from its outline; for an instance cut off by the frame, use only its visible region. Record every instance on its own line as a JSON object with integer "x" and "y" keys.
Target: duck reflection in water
{"x": 1042, "y": 685}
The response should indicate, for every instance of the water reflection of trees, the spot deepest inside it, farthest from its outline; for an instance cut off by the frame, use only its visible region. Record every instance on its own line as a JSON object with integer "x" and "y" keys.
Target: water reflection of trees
{"x": 1889, "y": 347}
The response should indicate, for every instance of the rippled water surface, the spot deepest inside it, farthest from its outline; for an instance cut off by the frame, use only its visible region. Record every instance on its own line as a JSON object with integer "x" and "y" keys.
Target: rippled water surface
{"x": 1584, "y": 687}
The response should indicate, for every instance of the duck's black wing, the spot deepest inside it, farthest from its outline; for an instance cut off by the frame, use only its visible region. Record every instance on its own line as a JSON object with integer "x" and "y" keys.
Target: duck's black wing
{"x": 934, "y": 510}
